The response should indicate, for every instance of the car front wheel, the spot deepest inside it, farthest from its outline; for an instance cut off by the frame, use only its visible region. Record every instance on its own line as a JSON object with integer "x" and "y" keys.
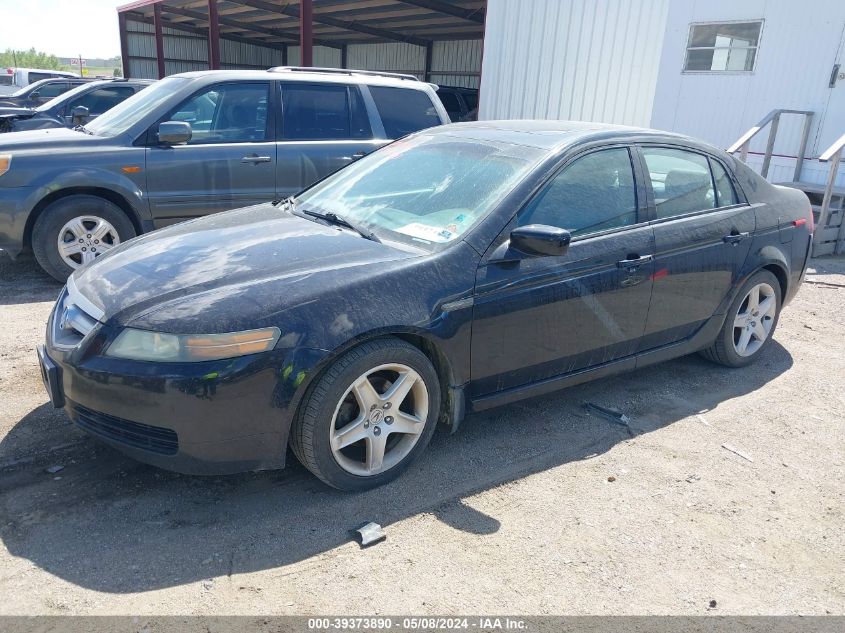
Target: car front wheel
{"x": 369, "y": 416}
{"x": 750, "y": 323}
{"x": 75, "y": 230}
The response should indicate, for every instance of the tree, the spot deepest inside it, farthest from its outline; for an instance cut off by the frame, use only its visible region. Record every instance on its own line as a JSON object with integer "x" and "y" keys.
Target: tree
{"x": 29, "y": 59}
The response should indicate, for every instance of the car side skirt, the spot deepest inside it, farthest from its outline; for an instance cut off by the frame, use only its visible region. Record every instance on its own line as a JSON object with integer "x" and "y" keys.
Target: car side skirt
{"x": 705, "y": 336}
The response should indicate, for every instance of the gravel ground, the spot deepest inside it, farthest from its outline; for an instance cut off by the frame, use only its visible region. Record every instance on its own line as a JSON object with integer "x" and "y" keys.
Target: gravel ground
{"x": 535, "y": 508}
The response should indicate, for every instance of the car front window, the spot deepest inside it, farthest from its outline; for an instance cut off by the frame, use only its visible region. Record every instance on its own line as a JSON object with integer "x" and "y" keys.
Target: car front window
{"x": 125, "y": 114}
{"x": 60, "y": 99}
{"x": 427, "y": 190}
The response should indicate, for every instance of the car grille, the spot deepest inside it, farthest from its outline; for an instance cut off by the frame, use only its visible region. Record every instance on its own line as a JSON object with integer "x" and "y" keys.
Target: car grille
{"x": 149, "y": 438}
{"x": 73, "y": 318}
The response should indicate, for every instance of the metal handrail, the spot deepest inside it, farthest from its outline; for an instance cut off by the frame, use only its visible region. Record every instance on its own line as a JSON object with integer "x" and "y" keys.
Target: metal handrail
{"x": 773, "y": 117}
{"x": 833, "y": 155}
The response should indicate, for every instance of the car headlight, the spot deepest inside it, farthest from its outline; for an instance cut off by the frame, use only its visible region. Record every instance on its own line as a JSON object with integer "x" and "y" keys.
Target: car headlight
{"x": 5, "y": 163}
{"x": 175, "y": 348}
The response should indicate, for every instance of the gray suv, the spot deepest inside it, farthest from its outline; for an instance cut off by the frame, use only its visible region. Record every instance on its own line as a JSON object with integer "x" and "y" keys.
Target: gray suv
{"x": 194, "y": 144}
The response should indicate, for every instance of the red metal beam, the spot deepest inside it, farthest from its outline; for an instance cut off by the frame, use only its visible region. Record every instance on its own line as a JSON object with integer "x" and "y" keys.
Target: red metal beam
{"x": 159, "y": 39}
{"x": 213, "y": 36}
{"x": 306, "y": 33}
{"x": 124, "y": 44}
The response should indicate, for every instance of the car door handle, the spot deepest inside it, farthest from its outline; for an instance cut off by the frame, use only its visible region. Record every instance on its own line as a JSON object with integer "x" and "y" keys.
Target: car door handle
{"x": 255, "y": 158}
{"x": 634, "y": 261}
{"x": 734, "y": 238}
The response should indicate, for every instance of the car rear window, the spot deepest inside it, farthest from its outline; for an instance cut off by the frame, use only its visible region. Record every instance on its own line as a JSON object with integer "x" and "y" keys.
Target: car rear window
{"x": 450, "y": 102}
{"x": 681, "y": 181}
{"x": 404, "y": 110}
{"x": 323, "y": 112}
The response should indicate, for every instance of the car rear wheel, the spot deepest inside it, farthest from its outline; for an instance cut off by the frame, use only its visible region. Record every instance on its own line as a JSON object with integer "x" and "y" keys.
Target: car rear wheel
{"x": 369, "y": 416}
{"x": 750, "y": 323}
{"x": 74, "y": 231}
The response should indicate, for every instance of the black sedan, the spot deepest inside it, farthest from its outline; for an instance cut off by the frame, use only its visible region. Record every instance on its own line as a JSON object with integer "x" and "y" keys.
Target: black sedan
{"x": 75, "y": 107}
{"x": 464, "y": 267}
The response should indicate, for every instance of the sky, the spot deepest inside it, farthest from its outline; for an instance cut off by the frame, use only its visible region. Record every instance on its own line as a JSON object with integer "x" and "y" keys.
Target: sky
{"x": 65, "y": 28}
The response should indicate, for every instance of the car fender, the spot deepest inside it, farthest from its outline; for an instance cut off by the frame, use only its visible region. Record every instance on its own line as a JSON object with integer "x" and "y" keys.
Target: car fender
{"x": 758, "y": 258}
{"x": 304, "y": 366}
{"x": 49, "y": 184}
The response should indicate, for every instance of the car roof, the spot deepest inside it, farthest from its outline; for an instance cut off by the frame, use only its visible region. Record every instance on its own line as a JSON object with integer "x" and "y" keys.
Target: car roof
{"x": 338, "y": 76}
{"x": 120, "y": 80}
{"x": 554, "y": 135}
{"x": 59, "y": 73}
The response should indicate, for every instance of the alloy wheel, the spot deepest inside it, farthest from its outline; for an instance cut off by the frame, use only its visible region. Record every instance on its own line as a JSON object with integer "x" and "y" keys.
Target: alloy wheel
{"x": 84, "y": 238}
{"x": 754, "y": 319}
{"x": 379, "y": 419}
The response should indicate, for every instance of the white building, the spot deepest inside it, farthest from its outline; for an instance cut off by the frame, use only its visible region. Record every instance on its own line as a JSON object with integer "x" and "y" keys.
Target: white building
{"x": 708, "y": 68}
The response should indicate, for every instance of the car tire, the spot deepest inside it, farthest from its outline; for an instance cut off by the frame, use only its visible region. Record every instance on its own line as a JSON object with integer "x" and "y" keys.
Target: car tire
{"x": 349, "y": 460}
{"x": 738, "y": 343}
{"x": 94, "y": 214}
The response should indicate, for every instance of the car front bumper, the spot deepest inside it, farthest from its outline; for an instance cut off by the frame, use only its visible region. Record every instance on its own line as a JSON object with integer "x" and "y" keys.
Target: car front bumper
{"x": 214, "y": 417}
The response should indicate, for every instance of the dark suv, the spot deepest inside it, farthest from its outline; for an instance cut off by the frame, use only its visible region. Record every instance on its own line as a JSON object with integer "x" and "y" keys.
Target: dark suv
{"x": 461, "y": 103}
{"x": 191, "y": 145}
{"x": 80, "y": 106}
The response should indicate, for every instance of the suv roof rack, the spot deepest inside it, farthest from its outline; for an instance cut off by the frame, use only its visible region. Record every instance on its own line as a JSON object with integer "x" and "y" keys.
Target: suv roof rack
{"x": 341, "y": 71}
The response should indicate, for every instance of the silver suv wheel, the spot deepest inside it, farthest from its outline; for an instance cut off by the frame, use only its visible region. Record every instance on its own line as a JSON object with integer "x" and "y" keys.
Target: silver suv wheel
{"x": 84, "y": 238}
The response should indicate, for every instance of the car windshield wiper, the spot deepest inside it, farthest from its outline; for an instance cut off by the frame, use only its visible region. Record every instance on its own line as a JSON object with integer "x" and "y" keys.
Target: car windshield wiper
{"x": 334, "y": 218}
{"x": 82, "y": 128}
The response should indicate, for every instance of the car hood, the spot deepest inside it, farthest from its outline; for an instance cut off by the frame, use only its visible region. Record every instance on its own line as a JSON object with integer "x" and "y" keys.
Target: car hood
{"x": 223, "y": 254}
{"x": 48, "y": 139}
{"x": 7, "y": 111}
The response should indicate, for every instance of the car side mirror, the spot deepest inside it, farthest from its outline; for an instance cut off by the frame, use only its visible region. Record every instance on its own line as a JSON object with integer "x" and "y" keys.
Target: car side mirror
{"x": 540, "y": 239}
{"x": 174, "y": 132}
{"x": 79, "y": 114}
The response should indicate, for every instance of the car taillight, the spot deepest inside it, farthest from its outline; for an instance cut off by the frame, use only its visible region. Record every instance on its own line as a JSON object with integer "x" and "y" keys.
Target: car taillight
{"x": 10, "y": 71}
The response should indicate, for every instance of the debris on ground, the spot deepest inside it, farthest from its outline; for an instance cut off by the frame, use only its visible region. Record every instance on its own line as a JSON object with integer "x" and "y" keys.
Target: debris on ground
{"x": 736, "y": 451}
{"x": 612, "y": 415}
{"x": 54, "y": 469}
{"x": 712, "y": 604}
{"x": 611, "y": 479}
{"x": 692, "y": 478}
{"x": 370, "y": 534}
{"x": 702, "y": 420}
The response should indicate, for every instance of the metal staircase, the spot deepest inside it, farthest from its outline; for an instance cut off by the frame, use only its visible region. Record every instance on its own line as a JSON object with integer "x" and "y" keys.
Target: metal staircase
{"x": 828, "y": 200}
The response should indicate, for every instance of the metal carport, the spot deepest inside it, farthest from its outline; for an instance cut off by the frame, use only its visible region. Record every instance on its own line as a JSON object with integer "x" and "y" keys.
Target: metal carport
{"x": 437, "y": 40}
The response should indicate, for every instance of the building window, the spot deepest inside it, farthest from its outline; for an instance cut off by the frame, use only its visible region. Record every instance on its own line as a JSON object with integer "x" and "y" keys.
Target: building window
{"x": 723, "y": 47}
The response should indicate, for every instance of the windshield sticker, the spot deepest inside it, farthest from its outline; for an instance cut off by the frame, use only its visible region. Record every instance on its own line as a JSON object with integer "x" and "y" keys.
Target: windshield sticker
{"x": 426, "y": 232}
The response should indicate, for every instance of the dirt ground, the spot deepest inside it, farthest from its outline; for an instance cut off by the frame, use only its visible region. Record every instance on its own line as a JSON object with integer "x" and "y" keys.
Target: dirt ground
{"x": 535, "y": 508}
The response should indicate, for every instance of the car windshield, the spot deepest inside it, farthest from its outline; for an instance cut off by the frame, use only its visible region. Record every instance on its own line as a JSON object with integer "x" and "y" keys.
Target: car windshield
{"x": 126, "y": 113}
{"x": 426, "y": 190}
{"x": 70, "y": 94}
